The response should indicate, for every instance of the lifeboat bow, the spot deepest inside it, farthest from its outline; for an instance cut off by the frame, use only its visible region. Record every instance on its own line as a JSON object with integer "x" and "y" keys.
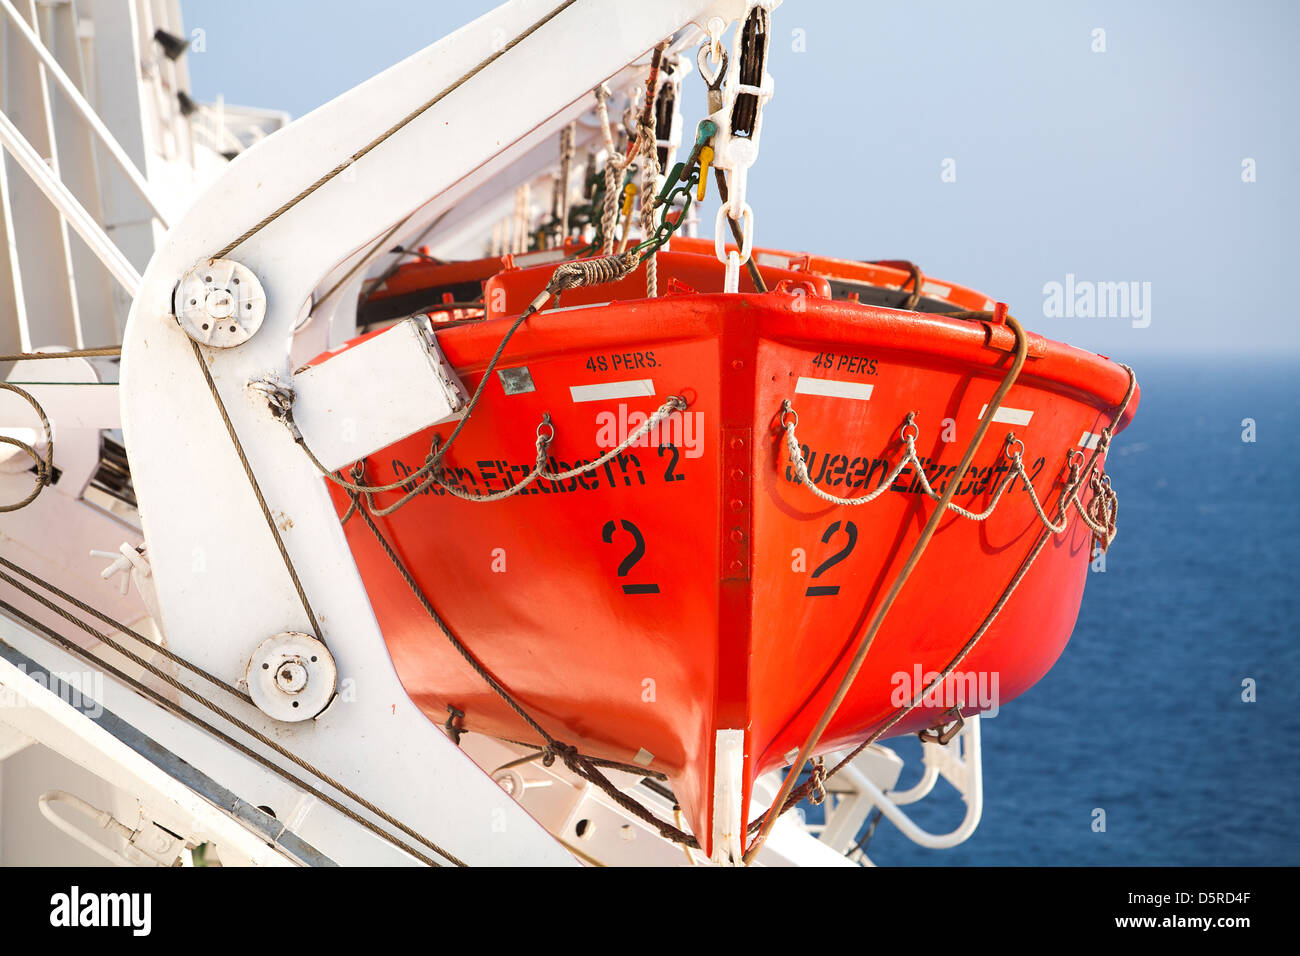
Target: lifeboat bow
{"x": 706, "y": 535}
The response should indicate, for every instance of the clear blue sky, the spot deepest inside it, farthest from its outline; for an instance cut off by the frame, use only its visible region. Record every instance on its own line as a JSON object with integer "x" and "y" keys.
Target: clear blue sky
{"x": 1115, "y": 166}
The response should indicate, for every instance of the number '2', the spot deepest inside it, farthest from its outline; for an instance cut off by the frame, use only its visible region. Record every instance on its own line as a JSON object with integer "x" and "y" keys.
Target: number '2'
{"x": 824, "y": 590}
{"x": 633, "y": 556}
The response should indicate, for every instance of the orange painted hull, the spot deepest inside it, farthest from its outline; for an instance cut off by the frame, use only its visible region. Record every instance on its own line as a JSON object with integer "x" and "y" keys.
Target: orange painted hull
{"x": 691, "y": 586}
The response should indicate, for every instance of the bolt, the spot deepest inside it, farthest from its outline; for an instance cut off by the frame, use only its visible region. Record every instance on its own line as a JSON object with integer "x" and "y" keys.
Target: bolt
{"x": 219, "y": 304}
{"x": 291, "y": 677}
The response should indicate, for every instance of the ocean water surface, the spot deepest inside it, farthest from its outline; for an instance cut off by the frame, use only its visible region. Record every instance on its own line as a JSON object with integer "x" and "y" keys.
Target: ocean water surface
{"x": 1143, "y": 716}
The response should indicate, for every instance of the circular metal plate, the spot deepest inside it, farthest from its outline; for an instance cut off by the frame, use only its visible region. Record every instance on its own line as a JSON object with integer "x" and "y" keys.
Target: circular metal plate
{"x": 291, "y": 676}
{"x": 220, "y": 304}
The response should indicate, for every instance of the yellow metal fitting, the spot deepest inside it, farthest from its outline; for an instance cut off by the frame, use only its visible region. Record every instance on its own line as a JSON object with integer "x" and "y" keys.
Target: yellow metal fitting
{"x": 706, "y": 157}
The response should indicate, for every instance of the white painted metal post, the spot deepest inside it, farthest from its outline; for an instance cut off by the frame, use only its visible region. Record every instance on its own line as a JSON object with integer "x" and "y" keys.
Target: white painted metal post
{"x": 68, "y": 206}
{"x": 221, "y": 582}
{"x": 86, "y": 110}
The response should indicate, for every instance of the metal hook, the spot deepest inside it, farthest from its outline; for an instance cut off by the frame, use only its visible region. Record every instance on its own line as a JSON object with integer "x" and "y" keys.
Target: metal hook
{"x": 546, "y": 423}
{"x": 947, "y": 729}
{"x": 714, "y": 81}
{"x": 788, "y": 409}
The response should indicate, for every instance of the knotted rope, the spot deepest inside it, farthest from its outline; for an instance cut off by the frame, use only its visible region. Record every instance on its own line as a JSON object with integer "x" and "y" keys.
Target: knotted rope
{"x": 583, "y": 272}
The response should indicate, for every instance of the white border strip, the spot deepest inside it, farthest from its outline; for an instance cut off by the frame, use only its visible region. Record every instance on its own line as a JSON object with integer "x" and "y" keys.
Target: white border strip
{"x": 540, "y": 258}
{"x": 572, "y": 308}
{"x": 1010, "y": 416}
{"x": 833, "y": 388}
{"x": 633, "y": 388}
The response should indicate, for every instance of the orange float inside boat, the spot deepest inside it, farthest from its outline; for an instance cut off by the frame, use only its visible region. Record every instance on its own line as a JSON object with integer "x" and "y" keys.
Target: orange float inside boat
{"x": 691, "y": 585}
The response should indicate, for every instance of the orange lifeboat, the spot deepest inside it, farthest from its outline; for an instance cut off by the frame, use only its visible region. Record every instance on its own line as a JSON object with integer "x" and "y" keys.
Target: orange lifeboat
{"x": 694, "y": 584}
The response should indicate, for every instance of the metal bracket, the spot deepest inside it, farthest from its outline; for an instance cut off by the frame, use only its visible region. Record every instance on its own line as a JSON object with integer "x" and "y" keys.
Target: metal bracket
{"x": 944, "y": 732}
{"x": 454, "y": 714}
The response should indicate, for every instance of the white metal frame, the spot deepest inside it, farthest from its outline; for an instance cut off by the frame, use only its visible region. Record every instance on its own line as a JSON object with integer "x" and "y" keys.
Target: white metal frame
{"x": 959, "y": 762}
{"x": 219, "y": 587}
{"x": 87, "y": 112}
{"x": 214, "y": 617}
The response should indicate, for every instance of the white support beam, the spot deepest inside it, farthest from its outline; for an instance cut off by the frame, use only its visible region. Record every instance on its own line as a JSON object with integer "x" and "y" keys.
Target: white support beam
{"x": 12, "y": 742}
{"x": 69, "y": 208}
{"x": 14, "y": 333}
{"x": 80, "y": 158}
{"x": 86, "y": 110}
{"x": 44, "y": 250}
{"x": 218, "y": 609}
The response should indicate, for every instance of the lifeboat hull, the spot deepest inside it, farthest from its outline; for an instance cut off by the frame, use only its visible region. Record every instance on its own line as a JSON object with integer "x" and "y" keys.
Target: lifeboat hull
{"x": 691, "y": 587}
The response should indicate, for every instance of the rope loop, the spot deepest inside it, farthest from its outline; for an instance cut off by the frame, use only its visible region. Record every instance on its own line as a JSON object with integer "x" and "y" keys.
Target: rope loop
{"x": 44, "y": 466}
{"x": 1098, "y": 514}
{"x": 555, "y": 748}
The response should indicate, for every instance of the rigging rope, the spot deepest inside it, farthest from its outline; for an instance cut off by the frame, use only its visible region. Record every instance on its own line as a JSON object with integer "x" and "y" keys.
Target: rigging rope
{"x": 1069, "y": 493}
{"x": 257, "y": 491}
{"x": 1098, "y": 515}
{"x": 613, "y": 173}
{"x": 650, "y": 171}
{"x": 124, "y": 629}
{"x": 221, "y": 712}
{"x": 575, "y": 761}
{"x": 878, "y": 618}
{"x": 395, "y": 128}
{"x": 44, "y": 467}
{"x": 562, "y": 182}
{"x": 568, "y": 275}
{"x": 106, "y": 351}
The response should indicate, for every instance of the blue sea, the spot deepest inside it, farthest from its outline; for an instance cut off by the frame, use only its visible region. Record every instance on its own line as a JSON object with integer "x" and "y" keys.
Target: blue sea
{"x": 1143, "y": 715}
